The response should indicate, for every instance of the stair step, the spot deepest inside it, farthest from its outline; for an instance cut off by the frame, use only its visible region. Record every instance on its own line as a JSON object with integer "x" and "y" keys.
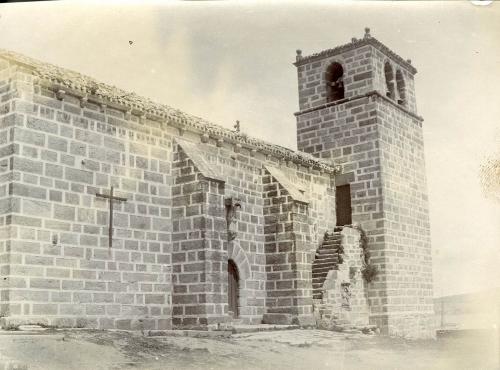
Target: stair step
{"x": 333, "y": 233}
{"x": 324, "y": 261}
{"x": 332, "y": 242}
{"x": 326, "y": 251}
{"x": 323, "y": 269}
{"x": 320, "y": 262}
{"x": 318, "y": 280}
{"x": 326, "y": 255}
{"x": 333, "y": 259}
{"x": 323, "y": 272}
{"x": 334, "y": 237}
{"x": 330, "y": 264}
{"x": 327, "y": 258}
{"x": 318, "y": 284}
{"x": 320, "y": 266}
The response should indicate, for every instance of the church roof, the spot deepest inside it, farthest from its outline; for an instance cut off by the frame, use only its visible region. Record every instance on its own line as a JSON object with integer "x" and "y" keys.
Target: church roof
{"x": 77, "y": 84}
{"x": 355, "y": 44}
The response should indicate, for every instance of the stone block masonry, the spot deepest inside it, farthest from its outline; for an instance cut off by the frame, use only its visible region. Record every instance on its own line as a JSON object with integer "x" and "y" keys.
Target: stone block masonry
{"x": 198, "y": 258}
{"x": 60, "y": 269}
{"x": 173, "y": 234}
{"x": 344, "y": 298}
{"x": 202, "y": 242}
{"x": 374, "y": 132}
{"x": 7, "y": 120}
{"x": 289, "y": 246}
{"x": 210, "y": 218}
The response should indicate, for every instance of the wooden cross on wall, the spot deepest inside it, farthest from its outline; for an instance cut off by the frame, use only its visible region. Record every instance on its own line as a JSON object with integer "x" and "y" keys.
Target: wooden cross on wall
{"x": 111, "y": 198}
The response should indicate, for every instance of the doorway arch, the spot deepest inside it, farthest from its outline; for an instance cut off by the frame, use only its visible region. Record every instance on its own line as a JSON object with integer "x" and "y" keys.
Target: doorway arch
{"x": 233, "y": 289}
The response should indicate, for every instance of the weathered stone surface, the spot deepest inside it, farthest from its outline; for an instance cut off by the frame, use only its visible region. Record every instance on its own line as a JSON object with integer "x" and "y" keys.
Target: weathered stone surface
{"x": 194, "y": 202}
{"x": 378, "y": 139}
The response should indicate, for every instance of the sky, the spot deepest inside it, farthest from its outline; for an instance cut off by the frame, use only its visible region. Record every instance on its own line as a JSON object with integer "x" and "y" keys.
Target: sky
{"x": 228, "y": 61}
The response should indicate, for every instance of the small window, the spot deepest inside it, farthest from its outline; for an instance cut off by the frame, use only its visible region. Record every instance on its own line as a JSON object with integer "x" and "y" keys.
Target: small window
{"x": 334, "y": 82}
{"x": 400, "y": 82}
{"x": 389, "y": 80}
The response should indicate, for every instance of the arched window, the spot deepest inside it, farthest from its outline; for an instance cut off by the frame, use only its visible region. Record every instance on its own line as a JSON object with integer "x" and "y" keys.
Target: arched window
{"x": 389, "y": 80}
{"x": 334, "y": 83}
{"x": 400, "y": 83}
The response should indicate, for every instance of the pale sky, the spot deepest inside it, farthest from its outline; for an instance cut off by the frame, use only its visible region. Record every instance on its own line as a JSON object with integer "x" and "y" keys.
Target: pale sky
{"x": 233, "y": 60}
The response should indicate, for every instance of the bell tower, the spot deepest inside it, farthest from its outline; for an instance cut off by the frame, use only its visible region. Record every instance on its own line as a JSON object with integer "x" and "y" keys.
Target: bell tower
{"x": 357, "y": 108}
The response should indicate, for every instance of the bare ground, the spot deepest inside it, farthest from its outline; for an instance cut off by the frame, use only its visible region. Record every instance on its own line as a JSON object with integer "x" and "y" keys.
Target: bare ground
{"x": 289, "y": 349}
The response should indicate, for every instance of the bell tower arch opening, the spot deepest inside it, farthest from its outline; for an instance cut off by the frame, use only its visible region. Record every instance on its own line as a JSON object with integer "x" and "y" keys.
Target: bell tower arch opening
{"x": 334, "y": 82}
{"x": 389, "y": 80}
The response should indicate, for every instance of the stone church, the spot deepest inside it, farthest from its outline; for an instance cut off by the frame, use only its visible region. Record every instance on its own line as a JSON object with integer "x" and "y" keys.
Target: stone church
{"x": 118, "y": 212}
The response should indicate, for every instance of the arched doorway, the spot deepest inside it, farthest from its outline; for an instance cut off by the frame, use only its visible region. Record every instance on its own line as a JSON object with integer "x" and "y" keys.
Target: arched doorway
{"x": 233, "y": 288}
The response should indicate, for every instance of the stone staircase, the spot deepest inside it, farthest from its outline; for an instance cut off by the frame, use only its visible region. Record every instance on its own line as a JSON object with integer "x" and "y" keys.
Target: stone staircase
{"x": 328, "y": 257}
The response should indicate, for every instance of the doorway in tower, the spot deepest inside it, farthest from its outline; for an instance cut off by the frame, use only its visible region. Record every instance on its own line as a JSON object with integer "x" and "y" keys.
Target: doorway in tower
{"x": 233, "y": 288}
{"x": 343, "y": 205}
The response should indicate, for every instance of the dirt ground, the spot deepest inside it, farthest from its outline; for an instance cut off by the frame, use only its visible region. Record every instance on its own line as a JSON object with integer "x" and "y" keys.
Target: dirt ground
{"x": 288, "y": 349}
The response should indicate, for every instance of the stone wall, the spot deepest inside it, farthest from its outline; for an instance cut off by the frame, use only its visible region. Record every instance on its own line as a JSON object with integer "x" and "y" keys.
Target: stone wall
{"x": 379, "y": 144}
{"x": 299, "y": 210}
{"x": 363, "y": 73}
{"x": 406, "y": 238}
{"x": 379, "y": 81}
{"x": 273, "y": 235}
{"x": 62, "y": 271}
{"x": 168, "y": 262}
{"x": 345, "y": 295}
{"x": 370, "y": 137}
{"x": 198, "y": 257}
{"x": 358, "y": 76}
{"x": 7, "y": 120}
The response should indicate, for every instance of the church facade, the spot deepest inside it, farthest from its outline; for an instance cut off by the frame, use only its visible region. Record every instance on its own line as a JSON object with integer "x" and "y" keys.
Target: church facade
{"x": 118, "y": 212}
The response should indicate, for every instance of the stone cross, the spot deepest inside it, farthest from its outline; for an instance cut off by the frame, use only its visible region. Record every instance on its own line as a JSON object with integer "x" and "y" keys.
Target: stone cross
{"x": 111, "y": 198}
